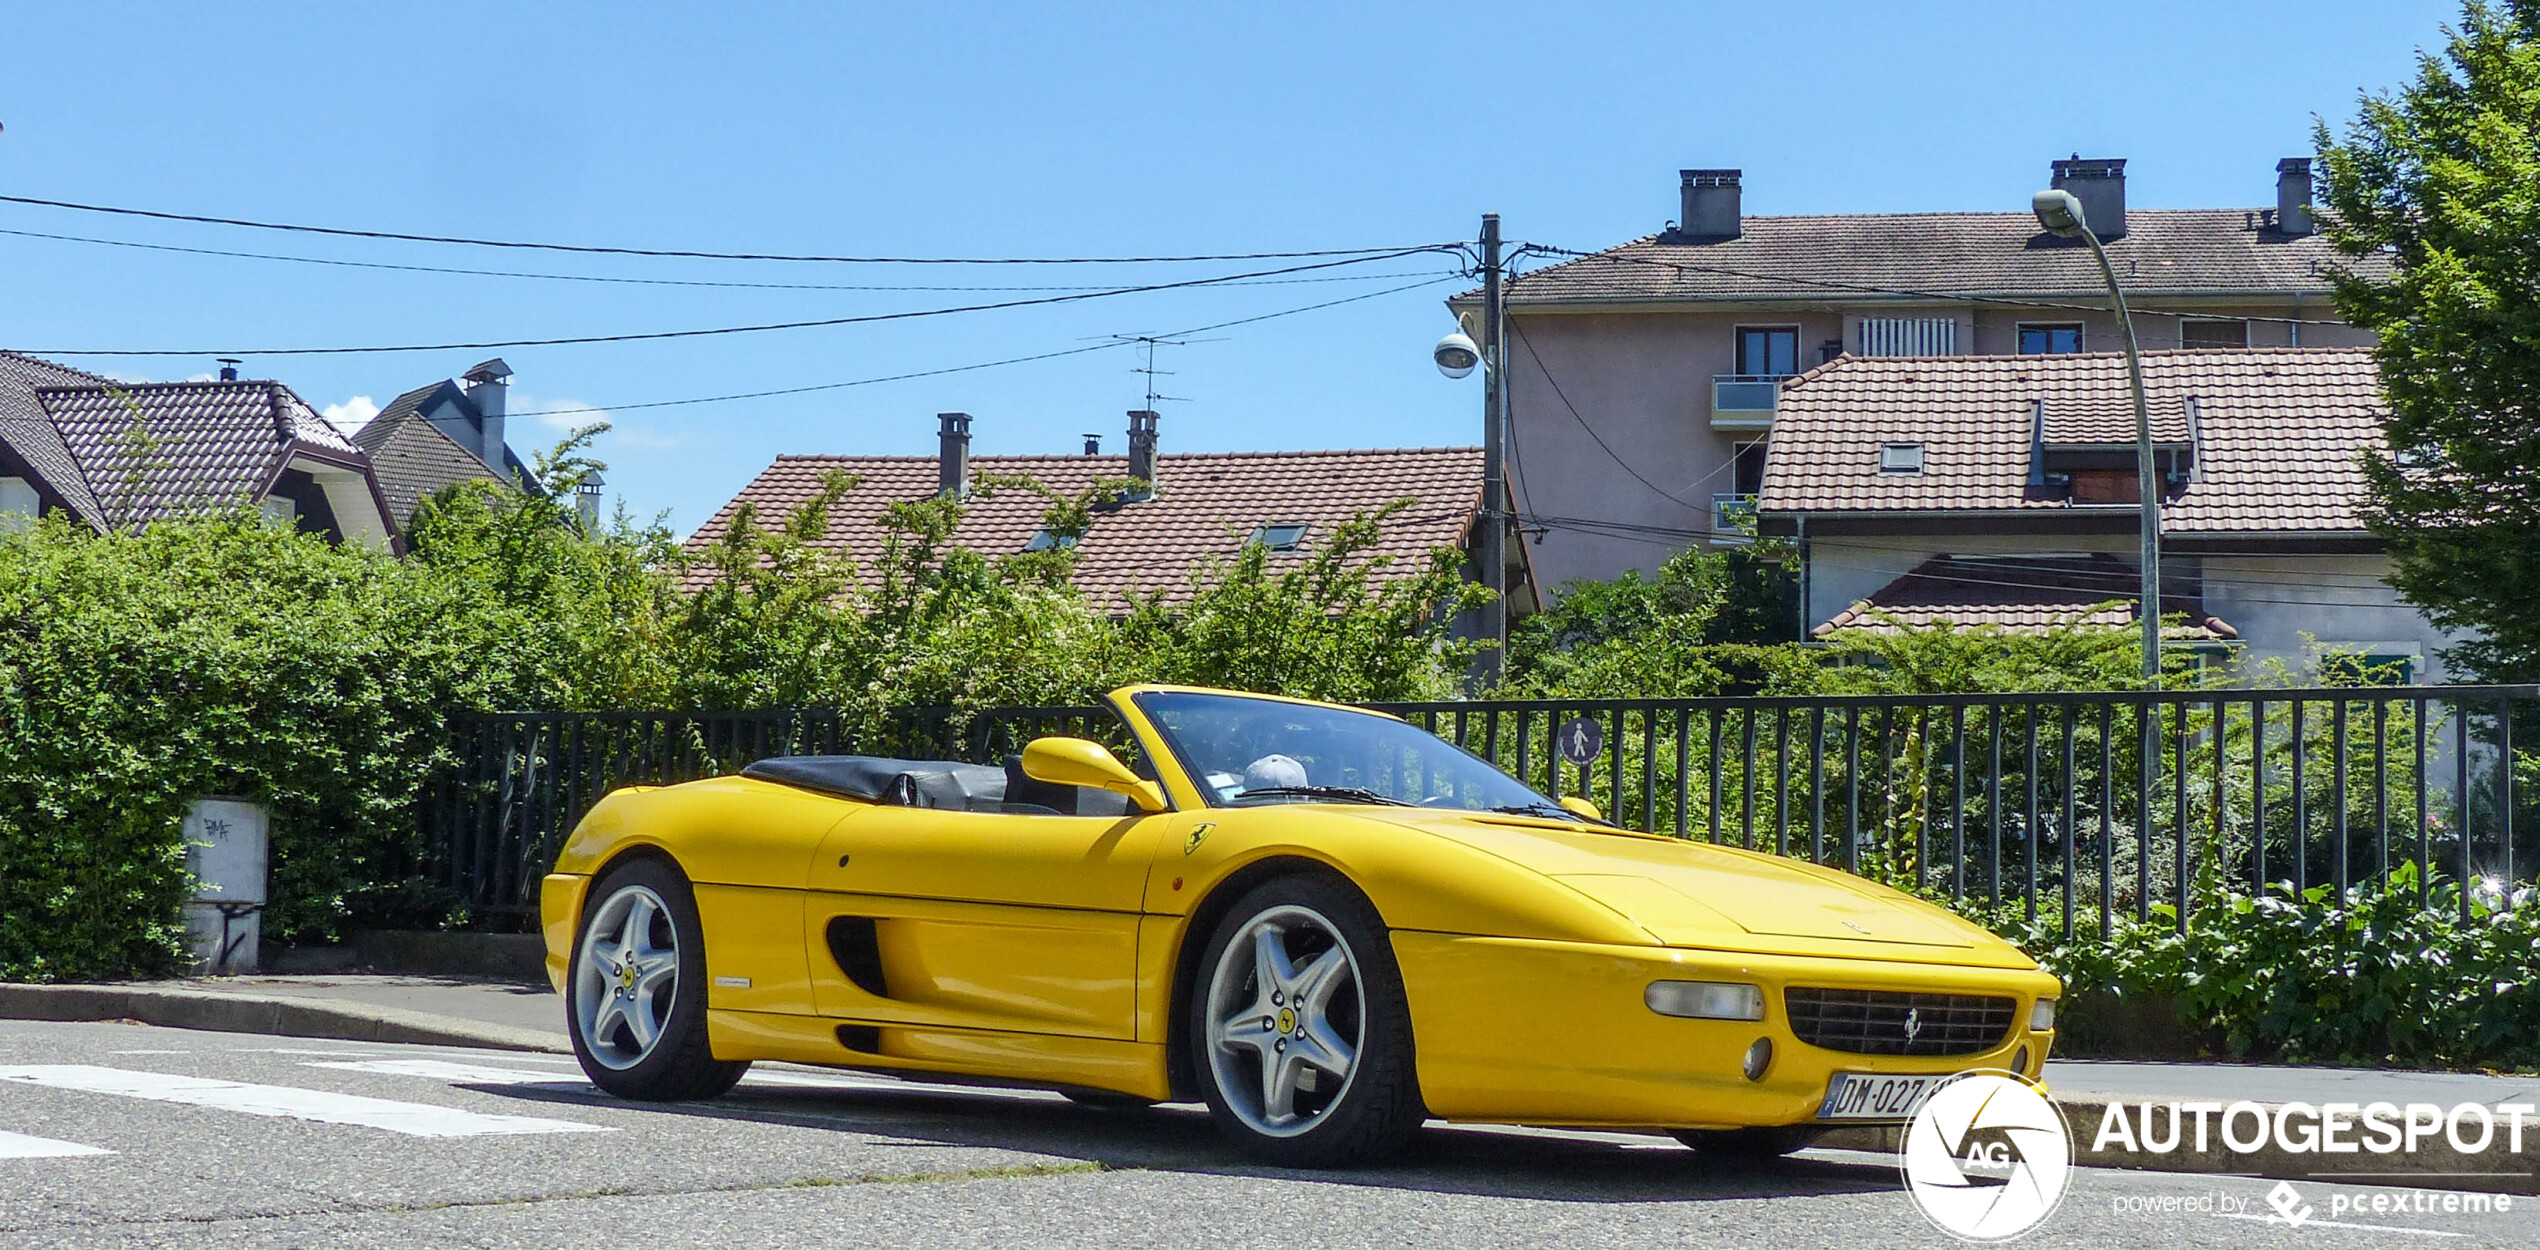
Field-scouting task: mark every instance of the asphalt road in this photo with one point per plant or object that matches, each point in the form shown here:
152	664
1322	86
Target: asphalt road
126	1135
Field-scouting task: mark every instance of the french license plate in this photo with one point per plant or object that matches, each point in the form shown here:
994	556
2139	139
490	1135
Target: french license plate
1874	1096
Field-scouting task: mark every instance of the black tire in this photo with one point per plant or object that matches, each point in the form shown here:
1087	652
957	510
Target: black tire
1748	1145
679	1065
1377	1110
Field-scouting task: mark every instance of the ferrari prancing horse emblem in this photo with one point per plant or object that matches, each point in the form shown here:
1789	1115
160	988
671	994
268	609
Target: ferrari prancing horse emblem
1199	834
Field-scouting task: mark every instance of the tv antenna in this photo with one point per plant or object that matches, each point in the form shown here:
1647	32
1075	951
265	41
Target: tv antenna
1147	344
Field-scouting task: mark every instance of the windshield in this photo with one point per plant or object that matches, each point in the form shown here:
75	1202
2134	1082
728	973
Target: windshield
1244	751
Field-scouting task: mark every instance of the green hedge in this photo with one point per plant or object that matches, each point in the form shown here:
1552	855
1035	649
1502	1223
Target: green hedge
2370	976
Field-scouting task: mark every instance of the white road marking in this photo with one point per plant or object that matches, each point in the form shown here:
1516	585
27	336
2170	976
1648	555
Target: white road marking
411	1118
461	1073
21	1146
477	1074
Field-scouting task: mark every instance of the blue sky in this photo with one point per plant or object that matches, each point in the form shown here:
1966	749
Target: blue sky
957	129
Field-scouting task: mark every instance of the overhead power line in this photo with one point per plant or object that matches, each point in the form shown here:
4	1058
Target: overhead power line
867	318
613	279
696	254
596	410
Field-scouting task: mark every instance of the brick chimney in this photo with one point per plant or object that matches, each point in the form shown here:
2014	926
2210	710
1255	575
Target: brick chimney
2293	195
1710	208
2100	186
1142	450
952	454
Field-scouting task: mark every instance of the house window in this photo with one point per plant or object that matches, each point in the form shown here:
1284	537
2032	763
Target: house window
2050	340
1280	537
2213	334
1767	351
1749	472
1901	459
279	510
1049	540
2369	668
1909	336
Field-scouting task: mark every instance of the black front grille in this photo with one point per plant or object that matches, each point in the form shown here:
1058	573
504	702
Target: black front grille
1887	1022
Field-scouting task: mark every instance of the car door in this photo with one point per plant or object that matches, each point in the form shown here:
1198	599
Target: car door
1007	921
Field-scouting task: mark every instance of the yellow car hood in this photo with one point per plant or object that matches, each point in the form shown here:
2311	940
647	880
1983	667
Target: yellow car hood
1695	894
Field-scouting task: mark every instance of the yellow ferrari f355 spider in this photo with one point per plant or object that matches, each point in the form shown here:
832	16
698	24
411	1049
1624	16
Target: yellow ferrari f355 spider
1324	922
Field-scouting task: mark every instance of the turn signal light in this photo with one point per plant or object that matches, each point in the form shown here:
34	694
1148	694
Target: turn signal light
2041	1018
1706	1000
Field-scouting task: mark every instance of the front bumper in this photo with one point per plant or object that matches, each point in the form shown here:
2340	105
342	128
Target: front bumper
1556	1033
559	910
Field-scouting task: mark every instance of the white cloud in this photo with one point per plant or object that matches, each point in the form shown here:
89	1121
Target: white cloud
567	415
352	414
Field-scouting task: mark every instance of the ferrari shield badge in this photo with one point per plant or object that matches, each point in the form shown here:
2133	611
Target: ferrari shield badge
1199	834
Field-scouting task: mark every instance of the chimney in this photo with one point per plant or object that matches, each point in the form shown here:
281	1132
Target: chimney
1142	450
1710	209
228	368
952	454
2293	195
2100	186
486	389
1093	444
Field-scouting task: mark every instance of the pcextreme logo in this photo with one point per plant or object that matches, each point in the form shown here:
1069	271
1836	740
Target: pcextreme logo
1987	1156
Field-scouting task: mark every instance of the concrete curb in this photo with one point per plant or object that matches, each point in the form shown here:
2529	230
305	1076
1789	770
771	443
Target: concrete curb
274	1015
2436	1165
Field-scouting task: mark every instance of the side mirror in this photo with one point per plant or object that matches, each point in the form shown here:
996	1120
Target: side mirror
1581	807
1082	762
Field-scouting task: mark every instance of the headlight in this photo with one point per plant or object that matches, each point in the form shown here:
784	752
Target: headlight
2041	1018
1706	1000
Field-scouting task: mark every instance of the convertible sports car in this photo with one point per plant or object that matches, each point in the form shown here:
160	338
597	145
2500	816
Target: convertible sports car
1325	922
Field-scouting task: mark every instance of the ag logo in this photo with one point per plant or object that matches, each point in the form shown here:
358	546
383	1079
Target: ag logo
1987	1156
1198	834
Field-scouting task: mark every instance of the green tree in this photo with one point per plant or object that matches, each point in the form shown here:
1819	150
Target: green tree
2442	178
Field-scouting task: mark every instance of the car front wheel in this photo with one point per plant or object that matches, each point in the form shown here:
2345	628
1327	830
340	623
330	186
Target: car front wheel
636	1000
1302	1027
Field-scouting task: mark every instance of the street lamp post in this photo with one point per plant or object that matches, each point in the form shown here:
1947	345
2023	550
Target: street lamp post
1456	355
2060	213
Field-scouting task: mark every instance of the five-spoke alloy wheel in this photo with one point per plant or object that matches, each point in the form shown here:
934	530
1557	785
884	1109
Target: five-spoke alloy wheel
636	996
1300	1027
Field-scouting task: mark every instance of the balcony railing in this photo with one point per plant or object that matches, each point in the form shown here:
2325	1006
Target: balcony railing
1732	519
1744	401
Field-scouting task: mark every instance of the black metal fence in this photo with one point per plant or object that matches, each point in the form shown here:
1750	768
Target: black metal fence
2081	807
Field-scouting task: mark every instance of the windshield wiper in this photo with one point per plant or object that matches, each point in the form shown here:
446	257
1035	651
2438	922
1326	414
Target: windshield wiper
1553	810
1352	794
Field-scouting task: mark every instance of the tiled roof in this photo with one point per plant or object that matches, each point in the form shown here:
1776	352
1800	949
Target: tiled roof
2091	419
1206	505
2022	594
30	433
2278	433
1851	256
206	442
414	459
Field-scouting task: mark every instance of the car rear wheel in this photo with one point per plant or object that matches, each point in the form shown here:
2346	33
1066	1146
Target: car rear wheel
636	1000
1748	1145
1303	1033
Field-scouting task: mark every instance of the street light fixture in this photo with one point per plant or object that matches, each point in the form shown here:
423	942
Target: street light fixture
2061	214
1457	354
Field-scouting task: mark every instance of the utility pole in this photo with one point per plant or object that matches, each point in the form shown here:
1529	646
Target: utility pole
1494	535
